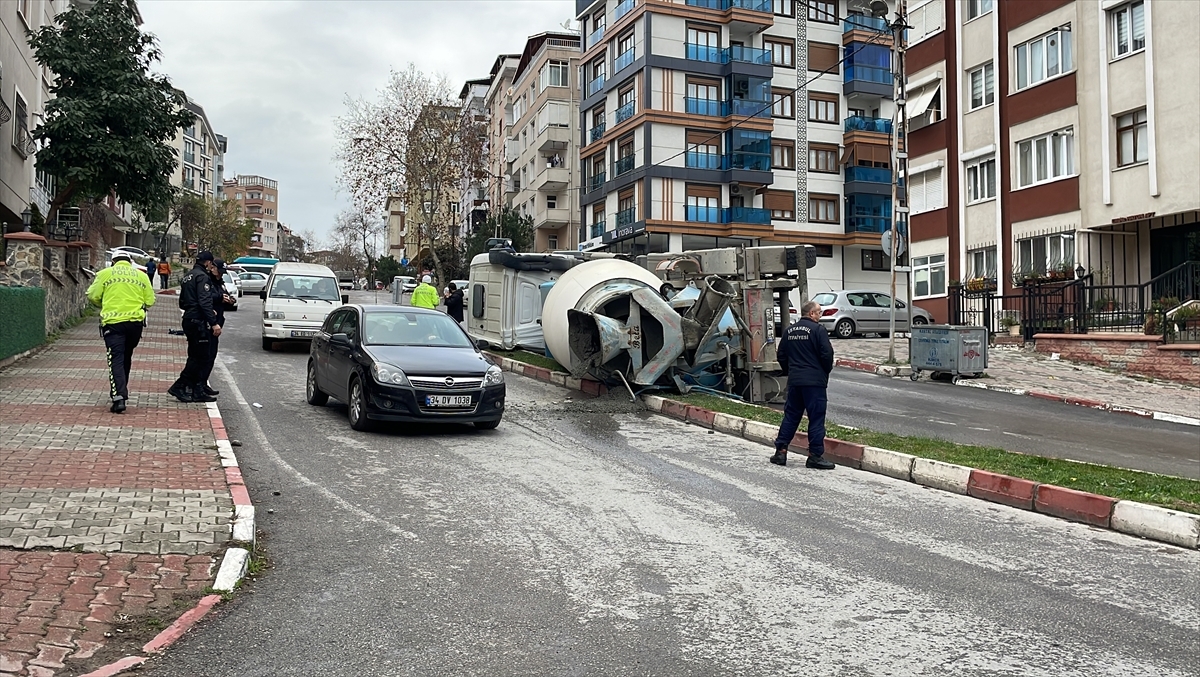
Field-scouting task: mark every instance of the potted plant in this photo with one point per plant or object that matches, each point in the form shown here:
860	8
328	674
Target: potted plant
1104	305
1187	320
1012	324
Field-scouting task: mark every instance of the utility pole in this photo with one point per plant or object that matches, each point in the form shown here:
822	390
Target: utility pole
899	158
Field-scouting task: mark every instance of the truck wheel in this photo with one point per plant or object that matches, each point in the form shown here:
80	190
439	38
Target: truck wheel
268	343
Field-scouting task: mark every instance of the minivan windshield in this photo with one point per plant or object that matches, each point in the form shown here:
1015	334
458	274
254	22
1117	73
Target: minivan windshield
395	328
306	287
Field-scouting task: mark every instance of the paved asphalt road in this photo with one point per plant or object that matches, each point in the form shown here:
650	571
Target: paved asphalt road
1012	422
573	542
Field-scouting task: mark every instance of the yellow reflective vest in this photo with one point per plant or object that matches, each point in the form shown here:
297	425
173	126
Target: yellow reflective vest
425	296
122	292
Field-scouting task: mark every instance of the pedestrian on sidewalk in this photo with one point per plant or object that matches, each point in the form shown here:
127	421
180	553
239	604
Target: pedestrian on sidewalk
199	325
219	299
806	356
151	267
454	303
123	294
164	273
425	296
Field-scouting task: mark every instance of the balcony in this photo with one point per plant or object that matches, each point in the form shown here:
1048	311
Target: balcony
698	160
190	184
867	69
553	139
869	175
623	60
858	123
626	217
596	182
623	166
623	9
870	74
597	229
723	5
23	142
749	108
728	215
596	133
694	106
551	180
868	224
550	217
749	55
625	112
859	22
189	157
752	162
595	37
704	53
595	85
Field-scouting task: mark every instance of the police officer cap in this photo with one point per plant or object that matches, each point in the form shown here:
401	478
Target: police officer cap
220	264
122	256
204	256
427	279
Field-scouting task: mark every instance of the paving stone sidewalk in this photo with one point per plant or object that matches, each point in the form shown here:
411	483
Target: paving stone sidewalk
102	516
1024	370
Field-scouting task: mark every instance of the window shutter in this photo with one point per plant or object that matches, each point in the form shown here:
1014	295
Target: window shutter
784	200
933	190
916	193
822	56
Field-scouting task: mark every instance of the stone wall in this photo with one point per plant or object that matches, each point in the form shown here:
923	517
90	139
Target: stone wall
55	267
1134	353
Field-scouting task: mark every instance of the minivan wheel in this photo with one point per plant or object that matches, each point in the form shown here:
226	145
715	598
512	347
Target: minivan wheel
312	393
268	343
358	407
844	329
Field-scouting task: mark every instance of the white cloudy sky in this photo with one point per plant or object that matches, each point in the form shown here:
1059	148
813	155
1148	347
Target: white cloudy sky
272	75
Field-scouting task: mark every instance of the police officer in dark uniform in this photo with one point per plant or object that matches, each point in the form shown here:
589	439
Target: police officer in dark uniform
806	355
200	326
219	299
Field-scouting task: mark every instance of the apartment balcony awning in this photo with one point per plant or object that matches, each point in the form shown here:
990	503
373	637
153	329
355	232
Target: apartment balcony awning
920	101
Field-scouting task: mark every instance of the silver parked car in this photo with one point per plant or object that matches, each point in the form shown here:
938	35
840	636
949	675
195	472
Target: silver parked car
252	283
862	311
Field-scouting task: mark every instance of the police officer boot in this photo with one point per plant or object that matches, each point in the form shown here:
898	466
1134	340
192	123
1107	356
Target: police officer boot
181	392
780	457
211	392
198	394
118	405
819	463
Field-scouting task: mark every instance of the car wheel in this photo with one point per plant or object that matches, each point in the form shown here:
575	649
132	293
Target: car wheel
918	321
268	343
311	392
487	425
358	407
844	329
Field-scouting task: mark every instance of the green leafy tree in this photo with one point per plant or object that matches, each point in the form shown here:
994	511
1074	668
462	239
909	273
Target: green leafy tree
387	268
213	225
507	224
109	122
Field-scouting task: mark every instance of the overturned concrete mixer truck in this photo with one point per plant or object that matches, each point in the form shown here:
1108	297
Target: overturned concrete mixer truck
698	320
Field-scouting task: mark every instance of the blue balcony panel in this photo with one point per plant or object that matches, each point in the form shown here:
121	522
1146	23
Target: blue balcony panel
859	22
868	224
749	55
700	160
763	6
704	53
858	123
597	229
597	133
595	85
869	175
703	214
623	166
623	9
625	112
622	61
694	106
750	161
750	108
626	217
598	181
596	36
749	215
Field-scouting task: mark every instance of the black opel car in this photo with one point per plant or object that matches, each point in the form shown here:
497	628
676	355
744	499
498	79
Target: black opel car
403	364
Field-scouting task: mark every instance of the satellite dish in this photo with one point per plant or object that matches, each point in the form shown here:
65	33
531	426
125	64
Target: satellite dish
879	9
885	240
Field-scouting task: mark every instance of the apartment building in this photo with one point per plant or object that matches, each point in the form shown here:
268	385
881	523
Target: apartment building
473	196
259	199
499	126
201	154
713	123
1066	140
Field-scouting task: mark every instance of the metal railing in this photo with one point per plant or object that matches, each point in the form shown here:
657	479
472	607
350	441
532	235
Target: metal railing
623	60
597	181
5	112
596	133
625	112
859	123
24	143
626	217
623	166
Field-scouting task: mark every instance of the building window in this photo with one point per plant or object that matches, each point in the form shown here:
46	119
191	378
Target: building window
823	107
703	208
981	180
1044	57
783	103
875	259
552	242
823	158
824	11
1133	144
783	154
824	57
551	202
1045	158
782	53
822	208
983	263
21	140
781	204
1040	255
925	191
977	8
1127	24
555	74
783	7
929	276
983	86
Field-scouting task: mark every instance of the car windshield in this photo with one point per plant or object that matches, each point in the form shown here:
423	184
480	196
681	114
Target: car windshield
394	328
305	287
825	299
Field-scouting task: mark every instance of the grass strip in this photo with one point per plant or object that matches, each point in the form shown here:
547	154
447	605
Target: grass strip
529	358
1176	493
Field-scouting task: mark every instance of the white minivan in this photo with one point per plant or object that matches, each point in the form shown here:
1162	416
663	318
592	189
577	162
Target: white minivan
296	300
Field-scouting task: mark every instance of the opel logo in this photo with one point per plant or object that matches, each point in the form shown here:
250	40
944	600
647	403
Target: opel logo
449	382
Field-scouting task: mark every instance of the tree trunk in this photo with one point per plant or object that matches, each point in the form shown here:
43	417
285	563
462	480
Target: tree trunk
61	199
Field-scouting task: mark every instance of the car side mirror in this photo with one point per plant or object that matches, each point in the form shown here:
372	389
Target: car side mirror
345	299
262	294
340	339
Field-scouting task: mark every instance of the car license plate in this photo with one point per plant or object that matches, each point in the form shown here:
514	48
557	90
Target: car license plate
447	400
303	334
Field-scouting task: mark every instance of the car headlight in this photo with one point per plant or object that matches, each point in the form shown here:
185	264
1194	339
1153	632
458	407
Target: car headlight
494	376
389	375
272	315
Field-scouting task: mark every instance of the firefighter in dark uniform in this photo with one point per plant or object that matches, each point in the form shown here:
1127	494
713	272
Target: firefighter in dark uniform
806	356
200	326
219	299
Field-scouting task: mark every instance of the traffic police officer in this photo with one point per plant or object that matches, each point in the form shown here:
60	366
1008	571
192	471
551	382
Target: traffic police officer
806	355
219	299
200	326
123	294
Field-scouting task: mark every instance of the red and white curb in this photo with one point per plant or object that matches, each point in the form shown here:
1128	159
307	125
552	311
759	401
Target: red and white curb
904	370
233	565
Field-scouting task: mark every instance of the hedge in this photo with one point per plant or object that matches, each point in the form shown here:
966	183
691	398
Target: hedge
22	319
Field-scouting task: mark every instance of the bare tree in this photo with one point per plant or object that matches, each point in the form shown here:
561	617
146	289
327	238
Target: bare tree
411	140
361	231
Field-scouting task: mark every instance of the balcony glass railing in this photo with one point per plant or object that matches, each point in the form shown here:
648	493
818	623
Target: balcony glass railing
758	163
749	54
597	133
858	22
868	224
748	215
625	112
858	123
752	5
703	214
595	85
704	53
873	74
694	106
750	108
869	174
623	60
623	9
597	181
598	228
695	159
596	36
623	165
626	217
189	157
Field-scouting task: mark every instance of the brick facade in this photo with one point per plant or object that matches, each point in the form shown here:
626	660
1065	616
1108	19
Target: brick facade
1142	355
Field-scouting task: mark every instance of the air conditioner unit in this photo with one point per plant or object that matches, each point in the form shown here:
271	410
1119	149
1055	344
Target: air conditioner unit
735	189
741	86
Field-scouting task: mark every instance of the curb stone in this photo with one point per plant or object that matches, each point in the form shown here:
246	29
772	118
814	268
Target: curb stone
1127	517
